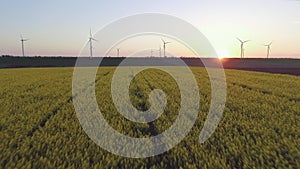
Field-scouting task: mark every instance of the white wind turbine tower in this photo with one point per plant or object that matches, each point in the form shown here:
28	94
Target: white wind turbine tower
91	39
118	52
159	50
151	51
242	47
22	43
268	49
164	43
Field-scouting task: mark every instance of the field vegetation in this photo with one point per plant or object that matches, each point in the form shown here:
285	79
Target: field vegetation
39	128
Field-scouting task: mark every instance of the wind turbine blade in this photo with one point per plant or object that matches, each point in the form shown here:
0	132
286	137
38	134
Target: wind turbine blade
246	41
239	40
163	40
21	37
90	32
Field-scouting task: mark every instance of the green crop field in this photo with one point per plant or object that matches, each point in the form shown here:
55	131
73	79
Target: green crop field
260	127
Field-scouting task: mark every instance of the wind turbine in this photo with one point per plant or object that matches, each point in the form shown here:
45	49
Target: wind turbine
118	52
164	43
159	50
91	39
268	49
22	42
242	47
151	55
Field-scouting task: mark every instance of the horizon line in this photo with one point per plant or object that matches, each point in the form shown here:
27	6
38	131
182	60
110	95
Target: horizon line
168	57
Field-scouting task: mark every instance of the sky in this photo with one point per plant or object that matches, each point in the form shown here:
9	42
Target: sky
61	27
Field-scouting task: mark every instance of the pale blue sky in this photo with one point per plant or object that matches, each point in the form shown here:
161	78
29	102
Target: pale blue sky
61	27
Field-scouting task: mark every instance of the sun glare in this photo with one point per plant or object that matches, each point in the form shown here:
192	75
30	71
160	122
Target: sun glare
222	54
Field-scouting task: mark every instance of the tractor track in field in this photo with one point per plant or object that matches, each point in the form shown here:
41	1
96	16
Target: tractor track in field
43	122
252	89
54	111
3	94
152	128
189	148
264	92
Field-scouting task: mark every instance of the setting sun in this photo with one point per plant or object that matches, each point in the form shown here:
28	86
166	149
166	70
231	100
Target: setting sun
222	54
